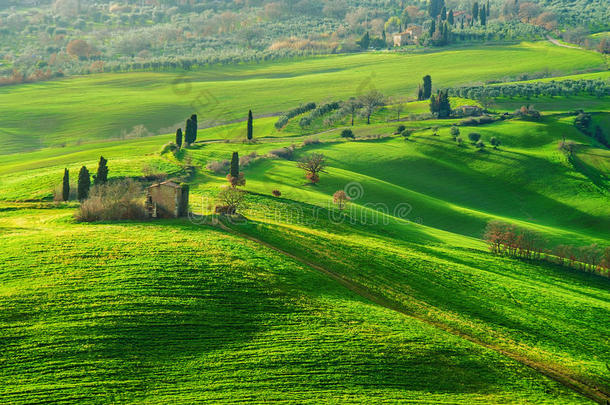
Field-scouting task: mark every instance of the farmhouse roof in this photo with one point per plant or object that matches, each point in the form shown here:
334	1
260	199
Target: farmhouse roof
168	183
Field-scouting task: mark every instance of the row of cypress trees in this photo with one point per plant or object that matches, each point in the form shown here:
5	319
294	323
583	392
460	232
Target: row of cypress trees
84	180
190	132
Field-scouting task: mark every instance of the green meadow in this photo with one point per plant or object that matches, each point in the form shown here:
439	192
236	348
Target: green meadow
74	110
396	299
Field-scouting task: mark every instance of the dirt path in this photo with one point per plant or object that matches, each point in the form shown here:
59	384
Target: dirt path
594	393
556	42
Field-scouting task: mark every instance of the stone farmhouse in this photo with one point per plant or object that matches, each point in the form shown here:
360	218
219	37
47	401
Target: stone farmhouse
409	36
167	200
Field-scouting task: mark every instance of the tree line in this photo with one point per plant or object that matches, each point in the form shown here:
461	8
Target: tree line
510	240
563	88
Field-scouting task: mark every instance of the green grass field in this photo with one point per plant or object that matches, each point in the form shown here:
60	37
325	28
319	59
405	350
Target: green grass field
396	300
53	113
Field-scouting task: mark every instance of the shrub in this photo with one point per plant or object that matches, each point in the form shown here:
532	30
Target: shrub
347	133
407	133
480	145
247	159
231	200
455	131
313	165
400	129
283	120
341	199
169	147
459	141
474	137
113	201
276	193
319	112
283	153
218	167
495	142
311	141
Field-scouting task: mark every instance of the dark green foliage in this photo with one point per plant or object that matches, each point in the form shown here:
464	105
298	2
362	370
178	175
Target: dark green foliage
427	87
565	88
435	8
250	125
439	104
347	133
475	11
407	133
432	28
351	107
480	145
474	137
190	132
599	136
102	171
234	165
84	183
483	16
443	13
455	131
495	142
364	42
179	138
583	122
283	120
65	189
318	112
400	129
450	18
420	93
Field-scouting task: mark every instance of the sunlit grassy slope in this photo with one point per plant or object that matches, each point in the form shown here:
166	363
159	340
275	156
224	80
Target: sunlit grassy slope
106	106
174	311
171	312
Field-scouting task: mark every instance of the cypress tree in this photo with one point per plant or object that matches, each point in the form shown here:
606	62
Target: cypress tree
444	13
84	183
432	28
188	132
444	106
194	126
188	137
235	165
65	190
487	8
450	17
250	127
179	138
483	15
420	93
102	171
427	90
475	11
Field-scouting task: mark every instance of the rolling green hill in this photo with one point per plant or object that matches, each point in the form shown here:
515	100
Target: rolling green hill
106	106
395	300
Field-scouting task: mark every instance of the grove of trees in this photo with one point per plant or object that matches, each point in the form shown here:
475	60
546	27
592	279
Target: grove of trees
510	240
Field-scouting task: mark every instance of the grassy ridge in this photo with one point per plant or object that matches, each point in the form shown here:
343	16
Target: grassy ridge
52	113
518	306
172	311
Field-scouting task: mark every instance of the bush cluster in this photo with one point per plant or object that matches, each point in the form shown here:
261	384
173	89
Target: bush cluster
117	200
283	120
